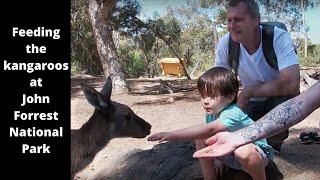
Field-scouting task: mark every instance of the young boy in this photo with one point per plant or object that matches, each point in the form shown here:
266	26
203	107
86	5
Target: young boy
219	89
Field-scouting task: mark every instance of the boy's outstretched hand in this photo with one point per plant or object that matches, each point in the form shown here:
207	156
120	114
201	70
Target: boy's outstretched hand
221	144
161	136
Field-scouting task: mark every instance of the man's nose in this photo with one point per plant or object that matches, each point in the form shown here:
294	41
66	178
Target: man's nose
231	24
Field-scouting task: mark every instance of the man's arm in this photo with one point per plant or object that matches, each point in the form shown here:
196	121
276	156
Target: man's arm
283	116
277	120
289	79
287	84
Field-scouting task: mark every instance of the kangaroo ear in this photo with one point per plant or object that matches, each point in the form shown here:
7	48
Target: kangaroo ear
94	97
107	90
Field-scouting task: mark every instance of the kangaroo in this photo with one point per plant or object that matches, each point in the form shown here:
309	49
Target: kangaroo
109	120
165	87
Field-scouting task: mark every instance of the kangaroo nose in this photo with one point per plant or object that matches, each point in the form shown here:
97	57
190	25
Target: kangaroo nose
149	126
145	124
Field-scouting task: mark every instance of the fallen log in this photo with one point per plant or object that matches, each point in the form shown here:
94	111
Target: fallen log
306	77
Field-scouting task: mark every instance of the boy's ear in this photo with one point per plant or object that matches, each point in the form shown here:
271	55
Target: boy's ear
230	98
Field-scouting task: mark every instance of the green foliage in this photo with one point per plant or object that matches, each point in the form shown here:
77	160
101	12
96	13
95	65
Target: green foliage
136	67
289	11
166	28
222	17
187	29
195	39
146	41
310	61
313	58
84	55
131	60
212	3
124	17
198	40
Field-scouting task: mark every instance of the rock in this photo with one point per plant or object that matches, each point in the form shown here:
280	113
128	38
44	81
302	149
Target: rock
171	160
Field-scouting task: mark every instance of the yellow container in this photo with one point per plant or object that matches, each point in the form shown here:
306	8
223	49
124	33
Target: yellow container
172	66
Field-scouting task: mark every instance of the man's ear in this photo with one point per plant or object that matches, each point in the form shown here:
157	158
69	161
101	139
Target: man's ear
258	20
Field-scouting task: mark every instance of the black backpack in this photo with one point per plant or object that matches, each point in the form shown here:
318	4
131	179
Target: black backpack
267	46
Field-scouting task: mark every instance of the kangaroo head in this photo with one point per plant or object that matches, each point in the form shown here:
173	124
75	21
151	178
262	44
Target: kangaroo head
118	119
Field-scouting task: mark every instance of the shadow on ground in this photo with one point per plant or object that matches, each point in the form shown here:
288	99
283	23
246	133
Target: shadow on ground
93	81
296	160
183	89
152	86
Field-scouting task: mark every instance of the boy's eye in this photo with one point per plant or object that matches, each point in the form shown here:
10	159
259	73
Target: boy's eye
211	98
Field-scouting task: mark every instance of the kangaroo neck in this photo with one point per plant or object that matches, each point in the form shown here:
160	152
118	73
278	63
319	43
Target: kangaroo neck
86	143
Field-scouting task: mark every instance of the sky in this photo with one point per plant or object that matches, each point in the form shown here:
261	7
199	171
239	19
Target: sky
312	15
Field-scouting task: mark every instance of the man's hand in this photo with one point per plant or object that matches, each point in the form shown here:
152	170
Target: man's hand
244	97
161	136
221	144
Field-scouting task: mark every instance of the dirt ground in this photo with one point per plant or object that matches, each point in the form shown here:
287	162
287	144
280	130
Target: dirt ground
178	110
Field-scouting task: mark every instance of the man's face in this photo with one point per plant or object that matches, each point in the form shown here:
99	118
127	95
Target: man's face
241	24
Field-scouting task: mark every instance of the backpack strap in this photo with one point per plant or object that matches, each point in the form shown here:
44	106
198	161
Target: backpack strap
267	46
233	55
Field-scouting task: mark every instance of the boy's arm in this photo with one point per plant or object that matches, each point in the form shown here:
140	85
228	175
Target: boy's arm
202	131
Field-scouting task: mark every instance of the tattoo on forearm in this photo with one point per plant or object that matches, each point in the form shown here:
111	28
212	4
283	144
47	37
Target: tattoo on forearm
248	133
277	120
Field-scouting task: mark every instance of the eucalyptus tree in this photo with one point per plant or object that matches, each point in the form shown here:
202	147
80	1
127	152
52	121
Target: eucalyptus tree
145	41
294	12
167	28
105	17
84	55
291	12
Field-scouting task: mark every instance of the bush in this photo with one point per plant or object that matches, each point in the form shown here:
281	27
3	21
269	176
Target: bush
313	58
132	61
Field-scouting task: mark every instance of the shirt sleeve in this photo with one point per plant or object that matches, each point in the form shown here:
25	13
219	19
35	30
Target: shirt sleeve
284	49
231	119
221	58
210	118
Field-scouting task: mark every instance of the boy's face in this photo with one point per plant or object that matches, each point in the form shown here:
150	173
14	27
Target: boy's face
214	105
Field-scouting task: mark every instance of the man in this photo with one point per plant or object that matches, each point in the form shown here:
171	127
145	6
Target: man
293	111
263	86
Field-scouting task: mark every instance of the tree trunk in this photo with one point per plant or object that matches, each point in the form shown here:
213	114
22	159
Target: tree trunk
215	36
146	65
304	30
99	15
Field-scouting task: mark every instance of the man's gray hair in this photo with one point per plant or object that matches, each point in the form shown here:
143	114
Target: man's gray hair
252	5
